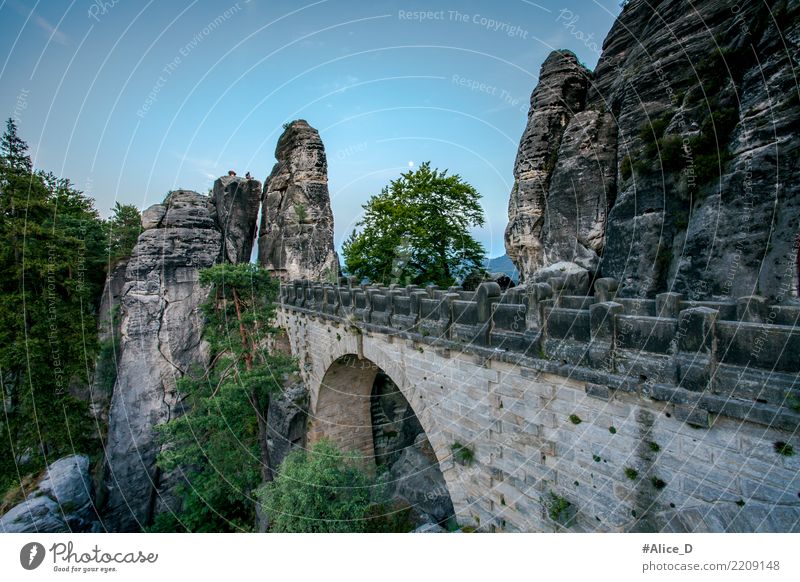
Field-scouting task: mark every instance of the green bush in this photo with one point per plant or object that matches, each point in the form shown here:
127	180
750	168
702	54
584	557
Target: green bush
324	490
631	473
462	454
559	509
670	150
626	167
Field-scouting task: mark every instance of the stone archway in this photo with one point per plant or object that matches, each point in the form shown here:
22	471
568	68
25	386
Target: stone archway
358	406
341	412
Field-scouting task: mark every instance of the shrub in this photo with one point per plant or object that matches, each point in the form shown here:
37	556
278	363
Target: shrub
626	167
324	490
670	149
559	509
784	449
631	473
462	454
575	419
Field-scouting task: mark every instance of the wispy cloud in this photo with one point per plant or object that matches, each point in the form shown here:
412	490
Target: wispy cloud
55	34
52	32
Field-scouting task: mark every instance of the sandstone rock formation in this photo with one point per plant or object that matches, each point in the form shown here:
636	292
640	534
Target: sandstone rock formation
416	477
287	421
63	501
296	236
673	165
561	93
108	333
235	206
161	329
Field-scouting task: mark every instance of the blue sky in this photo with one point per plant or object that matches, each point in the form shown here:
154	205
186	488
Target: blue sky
132	99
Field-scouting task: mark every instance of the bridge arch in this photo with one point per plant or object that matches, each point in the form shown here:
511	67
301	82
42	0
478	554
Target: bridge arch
340	401
345	394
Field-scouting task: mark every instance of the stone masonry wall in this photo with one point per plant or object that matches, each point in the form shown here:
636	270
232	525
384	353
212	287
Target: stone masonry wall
625	421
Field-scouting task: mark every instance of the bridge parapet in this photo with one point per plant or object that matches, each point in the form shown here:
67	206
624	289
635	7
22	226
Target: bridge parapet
737	358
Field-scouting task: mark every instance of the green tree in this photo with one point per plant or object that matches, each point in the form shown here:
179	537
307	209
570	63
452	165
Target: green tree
324	490
14	151
123	228
220	442
417	231
51	275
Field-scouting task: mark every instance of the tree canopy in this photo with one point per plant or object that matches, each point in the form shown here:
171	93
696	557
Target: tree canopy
417	230
52	270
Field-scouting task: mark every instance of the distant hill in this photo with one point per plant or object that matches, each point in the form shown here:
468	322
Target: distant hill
503	264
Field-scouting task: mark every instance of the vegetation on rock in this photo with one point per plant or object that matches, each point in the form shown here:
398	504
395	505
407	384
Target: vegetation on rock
219	445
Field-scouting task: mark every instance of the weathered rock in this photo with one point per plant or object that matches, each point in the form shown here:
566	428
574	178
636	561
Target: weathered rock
581	189
160	342
286	422
296	236
416	476
108	333
560	94
235	208
430	528
702	205
63	501
153	215
394	424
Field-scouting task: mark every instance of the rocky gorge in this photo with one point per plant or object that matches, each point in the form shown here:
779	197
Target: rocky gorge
671	168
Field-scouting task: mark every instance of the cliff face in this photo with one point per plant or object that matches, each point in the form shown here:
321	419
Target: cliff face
160	334
296	236
677	170
560	94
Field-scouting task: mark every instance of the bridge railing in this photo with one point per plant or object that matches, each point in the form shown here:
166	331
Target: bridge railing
737	358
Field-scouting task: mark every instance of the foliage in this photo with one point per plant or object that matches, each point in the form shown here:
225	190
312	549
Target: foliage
710	146
123	230
575	419
323	490
52	259
301	211
559	509
417	231
462	454
670	152
784	449
631	473
219	443
658	482
625	167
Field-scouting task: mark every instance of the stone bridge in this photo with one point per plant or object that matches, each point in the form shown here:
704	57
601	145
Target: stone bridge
584	412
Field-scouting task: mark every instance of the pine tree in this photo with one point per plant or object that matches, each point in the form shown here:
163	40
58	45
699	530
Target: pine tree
51	275
124	229
220	443
13	150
